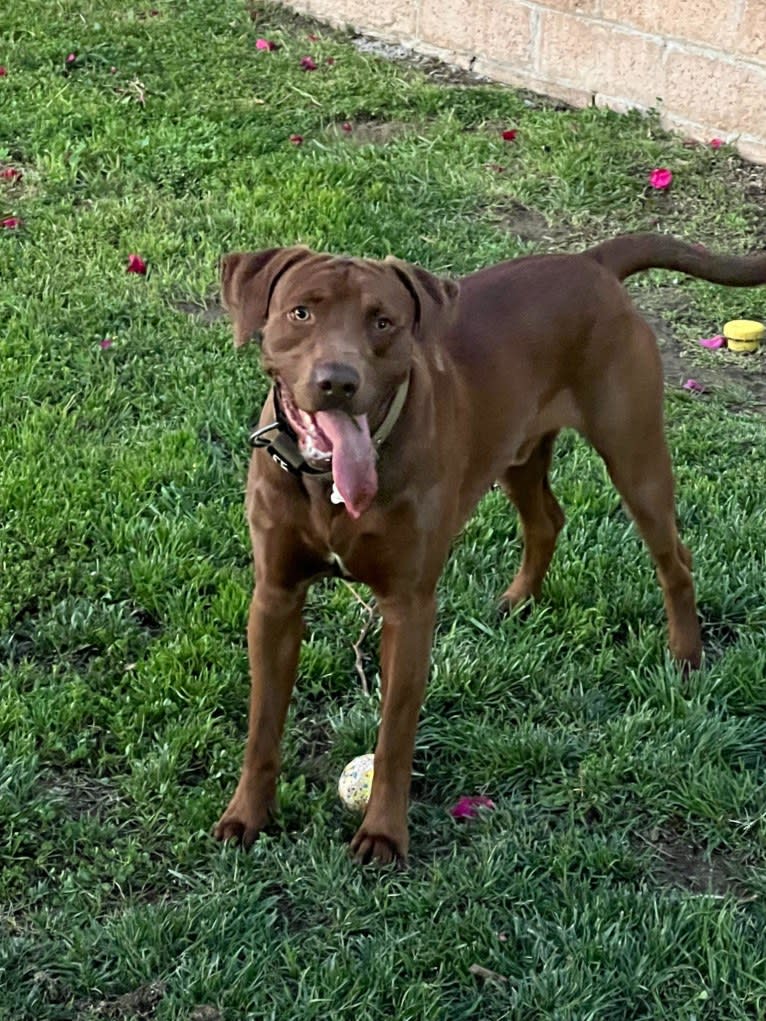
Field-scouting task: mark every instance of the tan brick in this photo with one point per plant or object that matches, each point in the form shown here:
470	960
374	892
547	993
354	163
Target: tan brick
751	34
500	29
394	17
573	6
450	24
731	96
694	20
504	31
331	11
582	54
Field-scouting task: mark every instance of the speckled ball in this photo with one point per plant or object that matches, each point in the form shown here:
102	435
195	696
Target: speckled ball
355	782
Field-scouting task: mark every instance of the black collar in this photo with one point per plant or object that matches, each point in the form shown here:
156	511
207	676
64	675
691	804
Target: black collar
281	442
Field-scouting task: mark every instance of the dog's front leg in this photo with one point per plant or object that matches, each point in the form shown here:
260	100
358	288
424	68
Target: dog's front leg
274	633
408	624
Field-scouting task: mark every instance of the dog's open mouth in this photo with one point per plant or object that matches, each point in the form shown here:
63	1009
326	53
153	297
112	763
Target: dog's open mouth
336	439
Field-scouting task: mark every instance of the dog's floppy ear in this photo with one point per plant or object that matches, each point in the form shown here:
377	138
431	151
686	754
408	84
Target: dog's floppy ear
435	298
247	283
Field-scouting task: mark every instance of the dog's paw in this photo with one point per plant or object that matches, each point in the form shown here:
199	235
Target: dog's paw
230	830
240	824
519	605
378	849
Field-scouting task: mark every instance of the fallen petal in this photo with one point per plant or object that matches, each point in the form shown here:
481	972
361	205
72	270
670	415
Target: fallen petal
296	139
11	174
71	58
308	64
716	143
265	44
509	135
469	805
135	264
661	178
694	386
345	126
3	72
106	343
11	222
713	342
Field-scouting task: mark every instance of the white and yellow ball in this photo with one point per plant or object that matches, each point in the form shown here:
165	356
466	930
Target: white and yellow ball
355	782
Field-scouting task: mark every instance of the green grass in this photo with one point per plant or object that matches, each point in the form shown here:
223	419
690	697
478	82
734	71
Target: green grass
622	874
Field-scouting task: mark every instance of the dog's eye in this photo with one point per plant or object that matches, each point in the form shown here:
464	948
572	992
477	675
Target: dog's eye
301	313
382	323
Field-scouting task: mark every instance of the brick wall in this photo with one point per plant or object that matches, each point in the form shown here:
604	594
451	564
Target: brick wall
702	63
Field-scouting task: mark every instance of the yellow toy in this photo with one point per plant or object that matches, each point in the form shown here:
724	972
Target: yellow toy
743	335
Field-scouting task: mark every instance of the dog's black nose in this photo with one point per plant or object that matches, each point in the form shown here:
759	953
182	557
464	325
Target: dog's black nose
336	382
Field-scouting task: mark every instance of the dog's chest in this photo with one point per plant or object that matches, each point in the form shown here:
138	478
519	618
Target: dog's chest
362	550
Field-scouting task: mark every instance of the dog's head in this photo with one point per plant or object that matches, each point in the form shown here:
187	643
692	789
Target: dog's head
337	337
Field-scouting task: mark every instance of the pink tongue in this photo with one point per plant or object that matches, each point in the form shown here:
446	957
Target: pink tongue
353	458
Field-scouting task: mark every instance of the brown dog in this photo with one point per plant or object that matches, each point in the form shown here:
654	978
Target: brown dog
398	399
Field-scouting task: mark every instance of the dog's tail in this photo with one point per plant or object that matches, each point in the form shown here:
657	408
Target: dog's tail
631	253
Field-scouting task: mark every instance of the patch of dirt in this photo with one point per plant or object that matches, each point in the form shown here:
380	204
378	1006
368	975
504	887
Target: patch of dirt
139	1005
678	863
206	1013
752	180
209	311
80	795
529	224
372	132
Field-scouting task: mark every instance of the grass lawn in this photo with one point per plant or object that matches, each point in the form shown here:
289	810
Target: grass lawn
622	874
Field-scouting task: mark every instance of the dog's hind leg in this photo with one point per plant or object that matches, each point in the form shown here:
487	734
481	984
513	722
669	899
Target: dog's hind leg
527	486
627	430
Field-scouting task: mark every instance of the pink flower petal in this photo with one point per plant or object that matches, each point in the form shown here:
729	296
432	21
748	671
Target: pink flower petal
265	44
661	178
694	386
71	58
308	64
135	264
346	126
11	222
713	342
3	72
296	139
469	805
716	143
11	174
509	135
106	343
